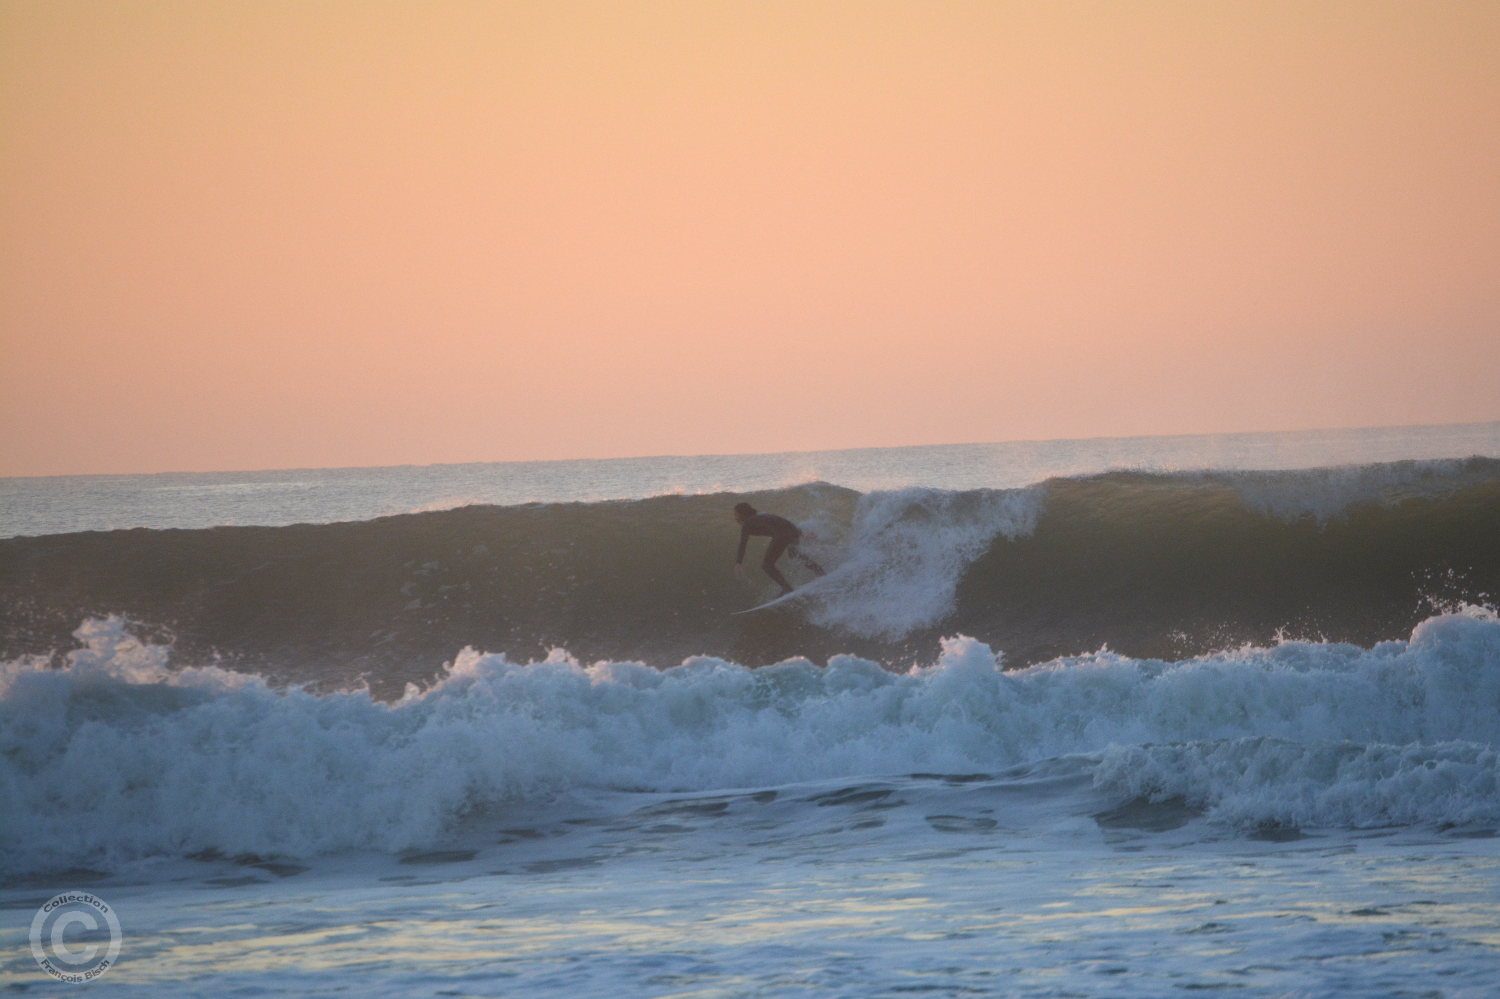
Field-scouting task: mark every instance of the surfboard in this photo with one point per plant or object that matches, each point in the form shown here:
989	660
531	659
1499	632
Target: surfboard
769	603
801	591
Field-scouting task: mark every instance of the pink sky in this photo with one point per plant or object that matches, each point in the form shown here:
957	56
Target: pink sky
253	235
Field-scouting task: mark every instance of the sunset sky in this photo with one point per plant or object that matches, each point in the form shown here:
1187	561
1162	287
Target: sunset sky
274	234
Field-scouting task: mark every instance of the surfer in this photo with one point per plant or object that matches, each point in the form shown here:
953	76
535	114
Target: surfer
784	537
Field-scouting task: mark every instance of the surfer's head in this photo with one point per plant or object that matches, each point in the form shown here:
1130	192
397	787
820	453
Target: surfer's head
743	512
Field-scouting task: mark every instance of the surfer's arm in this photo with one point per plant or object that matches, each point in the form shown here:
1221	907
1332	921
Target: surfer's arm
739	556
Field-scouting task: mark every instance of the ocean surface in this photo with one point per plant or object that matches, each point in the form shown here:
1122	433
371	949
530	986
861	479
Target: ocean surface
1135	717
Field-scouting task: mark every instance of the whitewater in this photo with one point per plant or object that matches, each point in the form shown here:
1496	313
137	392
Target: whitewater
1142	718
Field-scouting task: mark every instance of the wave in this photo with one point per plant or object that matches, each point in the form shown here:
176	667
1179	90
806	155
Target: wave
1154	565
118	758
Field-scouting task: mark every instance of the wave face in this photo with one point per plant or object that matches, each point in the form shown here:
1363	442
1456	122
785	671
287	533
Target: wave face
1153	565
117	758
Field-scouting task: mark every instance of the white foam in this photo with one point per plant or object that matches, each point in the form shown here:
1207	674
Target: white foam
908	551
116	757
1257	782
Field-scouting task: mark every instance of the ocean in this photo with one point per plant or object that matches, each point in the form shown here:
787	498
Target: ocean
1115	717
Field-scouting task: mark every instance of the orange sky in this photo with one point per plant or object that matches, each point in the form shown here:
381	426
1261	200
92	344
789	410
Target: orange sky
270	234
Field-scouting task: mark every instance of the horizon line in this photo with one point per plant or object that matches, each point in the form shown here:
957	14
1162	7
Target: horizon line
746	454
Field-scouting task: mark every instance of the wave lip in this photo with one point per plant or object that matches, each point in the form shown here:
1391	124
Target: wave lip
1329	493
118	758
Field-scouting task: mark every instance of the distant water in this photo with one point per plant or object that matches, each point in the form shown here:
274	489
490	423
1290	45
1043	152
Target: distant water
1129	718
56	505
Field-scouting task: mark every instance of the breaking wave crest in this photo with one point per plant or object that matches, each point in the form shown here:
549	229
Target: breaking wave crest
118	757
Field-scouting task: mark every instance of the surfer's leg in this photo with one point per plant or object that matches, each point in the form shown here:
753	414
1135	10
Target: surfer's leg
773	552
797	554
